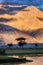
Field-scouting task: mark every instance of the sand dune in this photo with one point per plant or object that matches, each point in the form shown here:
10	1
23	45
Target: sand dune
9	34
38	34
28	19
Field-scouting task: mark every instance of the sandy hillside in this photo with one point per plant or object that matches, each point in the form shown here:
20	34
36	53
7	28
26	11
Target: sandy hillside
28	19
9	34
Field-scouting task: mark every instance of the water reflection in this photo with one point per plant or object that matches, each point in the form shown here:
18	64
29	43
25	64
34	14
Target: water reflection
36	61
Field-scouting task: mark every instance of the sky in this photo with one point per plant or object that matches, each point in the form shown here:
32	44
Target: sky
37	3
0	0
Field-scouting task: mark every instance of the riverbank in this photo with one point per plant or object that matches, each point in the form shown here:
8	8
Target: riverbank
20	54
22	51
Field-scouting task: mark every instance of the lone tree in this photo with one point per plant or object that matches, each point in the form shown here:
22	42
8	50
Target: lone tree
36	45
10	44
21	42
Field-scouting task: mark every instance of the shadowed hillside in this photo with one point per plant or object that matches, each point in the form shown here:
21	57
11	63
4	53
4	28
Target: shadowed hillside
9	34
6	28
10	8
38	34
6	19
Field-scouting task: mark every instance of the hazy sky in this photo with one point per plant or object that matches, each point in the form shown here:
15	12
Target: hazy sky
37	3
0	0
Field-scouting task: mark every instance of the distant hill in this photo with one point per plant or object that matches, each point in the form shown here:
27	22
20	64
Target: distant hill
27	19
9	34
26	23
6	28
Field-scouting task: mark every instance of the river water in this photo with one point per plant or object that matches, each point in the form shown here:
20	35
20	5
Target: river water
36	61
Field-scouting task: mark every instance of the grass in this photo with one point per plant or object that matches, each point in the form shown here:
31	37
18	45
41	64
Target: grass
23	51
19	52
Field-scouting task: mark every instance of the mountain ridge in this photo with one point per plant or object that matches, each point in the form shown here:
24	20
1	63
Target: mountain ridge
25	20
24	16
